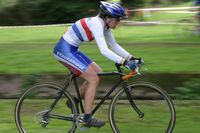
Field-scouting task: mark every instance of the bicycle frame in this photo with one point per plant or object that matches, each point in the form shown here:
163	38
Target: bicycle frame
73	115
73	78
105	97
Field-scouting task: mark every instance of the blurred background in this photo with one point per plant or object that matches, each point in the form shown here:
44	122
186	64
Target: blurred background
165	33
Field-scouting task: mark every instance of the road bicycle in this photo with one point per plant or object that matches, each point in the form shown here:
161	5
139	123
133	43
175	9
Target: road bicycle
135	107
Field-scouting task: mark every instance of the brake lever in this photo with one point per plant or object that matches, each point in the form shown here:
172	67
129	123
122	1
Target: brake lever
137	70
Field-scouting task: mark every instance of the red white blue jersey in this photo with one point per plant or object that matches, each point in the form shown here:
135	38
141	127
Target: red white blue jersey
82	30
79	32
88	29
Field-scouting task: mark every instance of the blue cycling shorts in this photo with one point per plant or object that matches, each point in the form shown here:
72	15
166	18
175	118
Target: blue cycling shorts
70	56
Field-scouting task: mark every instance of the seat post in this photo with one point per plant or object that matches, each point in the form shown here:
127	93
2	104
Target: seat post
68	80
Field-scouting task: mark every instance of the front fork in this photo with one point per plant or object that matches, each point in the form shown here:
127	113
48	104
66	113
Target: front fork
130	99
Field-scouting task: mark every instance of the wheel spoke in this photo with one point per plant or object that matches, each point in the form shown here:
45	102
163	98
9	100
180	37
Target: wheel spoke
159	113
33	113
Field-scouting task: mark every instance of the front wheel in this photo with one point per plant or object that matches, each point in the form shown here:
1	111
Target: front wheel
40	109
159	112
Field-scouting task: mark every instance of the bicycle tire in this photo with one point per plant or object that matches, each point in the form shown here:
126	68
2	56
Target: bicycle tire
147	97
32	104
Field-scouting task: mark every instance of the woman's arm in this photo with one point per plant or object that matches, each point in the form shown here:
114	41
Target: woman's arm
98	33
116	47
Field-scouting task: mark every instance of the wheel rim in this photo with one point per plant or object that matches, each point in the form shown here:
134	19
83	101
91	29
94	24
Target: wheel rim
30	109
158	117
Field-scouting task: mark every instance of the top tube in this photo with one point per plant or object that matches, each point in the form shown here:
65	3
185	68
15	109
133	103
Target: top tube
119	72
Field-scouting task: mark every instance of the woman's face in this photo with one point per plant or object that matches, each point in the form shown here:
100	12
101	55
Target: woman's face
112	22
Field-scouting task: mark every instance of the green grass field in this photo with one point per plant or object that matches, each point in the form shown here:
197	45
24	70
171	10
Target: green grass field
169	16
29	50
187	118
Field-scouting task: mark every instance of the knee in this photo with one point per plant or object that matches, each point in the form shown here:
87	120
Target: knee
94	80
97	80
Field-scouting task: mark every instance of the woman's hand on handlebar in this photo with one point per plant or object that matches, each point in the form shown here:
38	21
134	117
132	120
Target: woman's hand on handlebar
133	64
139	59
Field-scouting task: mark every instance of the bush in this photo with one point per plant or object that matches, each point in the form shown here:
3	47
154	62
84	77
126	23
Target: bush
29	80
27	12
189	90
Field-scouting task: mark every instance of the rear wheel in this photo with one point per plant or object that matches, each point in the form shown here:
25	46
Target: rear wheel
158	109
34	112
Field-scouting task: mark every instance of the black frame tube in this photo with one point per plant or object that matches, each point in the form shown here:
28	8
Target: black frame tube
106	96
71	77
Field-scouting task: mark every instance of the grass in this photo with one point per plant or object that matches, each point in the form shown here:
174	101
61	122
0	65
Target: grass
167	16
29	50
187	118
123	34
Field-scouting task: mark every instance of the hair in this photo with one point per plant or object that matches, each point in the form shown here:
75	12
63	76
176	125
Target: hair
103	15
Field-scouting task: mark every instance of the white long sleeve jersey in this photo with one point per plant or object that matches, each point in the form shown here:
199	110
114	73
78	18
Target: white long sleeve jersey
88	29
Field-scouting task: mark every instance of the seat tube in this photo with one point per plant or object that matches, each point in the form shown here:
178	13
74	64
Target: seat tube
78	94
60	93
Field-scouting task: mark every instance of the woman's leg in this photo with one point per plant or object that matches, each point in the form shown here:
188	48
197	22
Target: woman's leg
81	64
89	89
97	69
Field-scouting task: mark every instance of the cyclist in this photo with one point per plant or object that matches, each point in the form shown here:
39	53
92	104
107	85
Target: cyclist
87	29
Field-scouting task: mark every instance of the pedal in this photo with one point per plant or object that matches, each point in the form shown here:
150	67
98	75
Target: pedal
44	123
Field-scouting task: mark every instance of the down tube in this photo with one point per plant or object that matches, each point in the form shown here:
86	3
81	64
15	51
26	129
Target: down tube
106	96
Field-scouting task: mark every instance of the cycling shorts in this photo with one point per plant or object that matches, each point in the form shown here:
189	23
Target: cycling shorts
70	56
